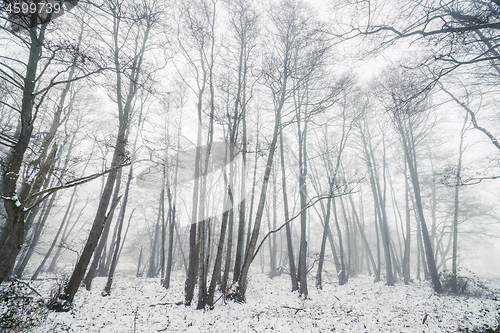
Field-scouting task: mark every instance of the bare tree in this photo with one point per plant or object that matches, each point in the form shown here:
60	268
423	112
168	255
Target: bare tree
378	195
332	166
140	19
31	78
298	50
405	106
244	25
457	39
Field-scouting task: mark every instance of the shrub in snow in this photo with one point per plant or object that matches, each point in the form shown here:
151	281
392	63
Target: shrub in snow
21	307
468	284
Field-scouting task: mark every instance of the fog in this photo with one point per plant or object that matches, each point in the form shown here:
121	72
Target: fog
205	144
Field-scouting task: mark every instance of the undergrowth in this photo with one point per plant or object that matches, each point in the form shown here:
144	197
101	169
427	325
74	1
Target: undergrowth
468	284
21	307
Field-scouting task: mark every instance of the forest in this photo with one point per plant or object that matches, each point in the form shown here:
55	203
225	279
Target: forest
208	160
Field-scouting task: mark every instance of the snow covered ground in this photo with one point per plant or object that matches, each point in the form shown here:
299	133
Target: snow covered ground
143	305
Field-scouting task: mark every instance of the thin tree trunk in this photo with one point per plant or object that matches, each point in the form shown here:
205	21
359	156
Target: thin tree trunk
193	247
218	256
138	273
326	230
153	253
252	197
348	238
379	201
342	275
272	258
242	283
303	203
102	242
456	203
406	259
291	260
114	262
412	167
365	241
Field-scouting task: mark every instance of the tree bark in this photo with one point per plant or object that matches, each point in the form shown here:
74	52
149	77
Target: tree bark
409	150
98	253
14	233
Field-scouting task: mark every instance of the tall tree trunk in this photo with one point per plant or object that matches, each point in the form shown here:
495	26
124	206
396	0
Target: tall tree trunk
172	211
456	202
242	283
406	258
229	248
379	202
11	165
302	134
193	247
119	154
202	239
245	23
409	150
44	146
291	260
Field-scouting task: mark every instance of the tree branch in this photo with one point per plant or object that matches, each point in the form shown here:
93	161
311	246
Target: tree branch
47	192
472	116
311	203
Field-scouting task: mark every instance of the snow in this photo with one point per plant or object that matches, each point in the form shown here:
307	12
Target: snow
12	198
143	305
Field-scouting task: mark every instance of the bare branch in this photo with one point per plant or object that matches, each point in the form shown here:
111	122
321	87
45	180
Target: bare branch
47	192
492	138
309	205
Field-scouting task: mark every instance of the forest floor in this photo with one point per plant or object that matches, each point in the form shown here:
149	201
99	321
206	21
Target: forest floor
143	305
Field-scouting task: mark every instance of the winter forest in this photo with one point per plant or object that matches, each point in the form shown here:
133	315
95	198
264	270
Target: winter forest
249	166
